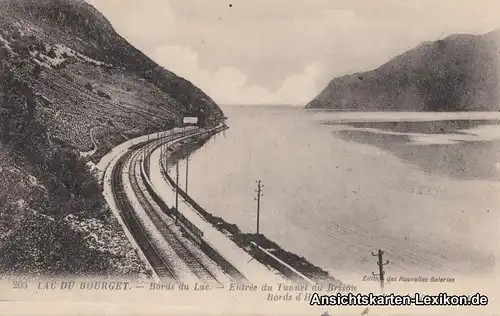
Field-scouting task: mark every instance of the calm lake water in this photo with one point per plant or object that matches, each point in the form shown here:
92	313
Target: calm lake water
421	186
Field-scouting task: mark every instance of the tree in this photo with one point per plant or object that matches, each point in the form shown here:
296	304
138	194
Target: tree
37	70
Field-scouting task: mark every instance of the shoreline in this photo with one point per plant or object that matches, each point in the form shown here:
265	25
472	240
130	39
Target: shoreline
243	240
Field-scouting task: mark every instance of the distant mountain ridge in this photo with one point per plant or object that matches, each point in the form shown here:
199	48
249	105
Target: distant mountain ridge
458	73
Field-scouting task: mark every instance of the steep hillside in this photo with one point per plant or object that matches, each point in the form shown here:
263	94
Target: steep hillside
70	88
458	73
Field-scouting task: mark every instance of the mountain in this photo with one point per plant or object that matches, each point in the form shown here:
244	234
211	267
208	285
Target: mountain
71	88
458	73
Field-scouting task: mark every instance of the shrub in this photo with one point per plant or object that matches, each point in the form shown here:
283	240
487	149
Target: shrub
22	48
52	53
68	77
103	94
107	69
49	246
37	70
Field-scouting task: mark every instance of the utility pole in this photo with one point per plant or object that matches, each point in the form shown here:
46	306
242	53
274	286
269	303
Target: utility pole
164	147
161	144
143	150
177	193
187	173
381	264
164	144
259	195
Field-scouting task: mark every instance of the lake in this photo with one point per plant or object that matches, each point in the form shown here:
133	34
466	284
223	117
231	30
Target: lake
338	185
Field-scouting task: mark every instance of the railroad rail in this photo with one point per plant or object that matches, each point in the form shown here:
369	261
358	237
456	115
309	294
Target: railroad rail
161	266
126	211
191	229
193	263
195	233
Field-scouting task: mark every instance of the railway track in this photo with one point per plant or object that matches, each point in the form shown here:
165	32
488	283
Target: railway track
194	264
157	263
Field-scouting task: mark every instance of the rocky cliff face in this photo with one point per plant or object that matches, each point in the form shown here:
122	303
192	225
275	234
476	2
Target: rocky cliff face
70	84
458	73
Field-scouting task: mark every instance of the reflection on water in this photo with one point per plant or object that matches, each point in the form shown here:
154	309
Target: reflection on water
455	148
336	198
424	127
462	159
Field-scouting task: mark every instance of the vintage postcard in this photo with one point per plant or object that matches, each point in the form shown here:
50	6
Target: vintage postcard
249	157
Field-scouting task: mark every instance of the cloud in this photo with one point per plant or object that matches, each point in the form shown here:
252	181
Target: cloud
228	85
147	25
285	51
300	88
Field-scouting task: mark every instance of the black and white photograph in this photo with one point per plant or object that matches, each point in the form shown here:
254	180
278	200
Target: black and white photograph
249	157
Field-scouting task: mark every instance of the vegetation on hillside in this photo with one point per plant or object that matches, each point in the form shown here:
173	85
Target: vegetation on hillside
69	85
458	73
44	241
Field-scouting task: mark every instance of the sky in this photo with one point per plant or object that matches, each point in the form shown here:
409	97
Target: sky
285	51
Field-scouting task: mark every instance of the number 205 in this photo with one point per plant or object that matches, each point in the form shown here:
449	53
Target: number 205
20	284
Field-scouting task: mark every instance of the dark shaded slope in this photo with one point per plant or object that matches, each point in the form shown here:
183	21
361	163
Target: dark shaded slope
68	83
458	73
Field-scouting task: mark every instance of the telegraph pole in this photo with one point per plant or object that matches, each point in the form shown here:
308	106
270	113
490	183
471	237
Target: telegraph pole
381	264
187	173
143	150
259	195
165	148
161	144
177	193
